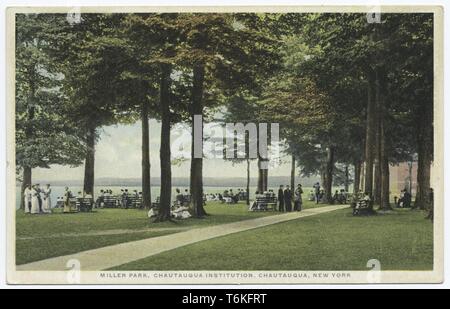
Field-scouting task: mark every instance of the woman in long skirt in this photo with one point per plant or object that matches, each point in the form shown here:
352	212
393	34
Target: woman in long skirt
34	200
67	196
27	199
47	203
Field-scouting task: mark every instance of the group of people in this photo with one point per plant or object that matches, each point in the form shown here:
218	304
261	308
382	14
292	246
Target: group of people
182	199
340	197
405	199
37	200
317	195
285	198
230	196
125	197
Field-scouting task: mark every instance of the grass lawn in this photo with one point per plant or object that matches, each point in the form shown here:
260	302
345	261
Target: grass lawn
30	250
48	239
401	240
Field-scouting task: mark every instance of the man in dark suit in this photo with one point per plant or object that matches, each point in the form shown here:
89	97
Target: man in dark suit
288	199
39	197
280	199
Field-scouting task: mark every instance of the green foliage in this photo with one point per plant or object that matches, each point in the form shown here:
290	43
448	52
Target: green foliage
309	72
44	136
320	92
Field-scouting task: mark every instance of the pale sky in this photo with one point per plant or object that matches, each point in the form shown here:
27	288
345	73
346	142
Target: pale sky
118	155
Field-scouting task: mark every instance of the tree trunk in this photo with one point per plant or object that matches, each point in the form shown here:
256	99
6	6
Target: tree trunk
377	146
197	163
363	176
293	173
145	165
266	177
328	175
425	155
260	179
26	181
382	145
89	164
385	194
423	177
370	136
357	166
248	182
377	181
410	164
346	180
164	152
262	175
260	188
28	136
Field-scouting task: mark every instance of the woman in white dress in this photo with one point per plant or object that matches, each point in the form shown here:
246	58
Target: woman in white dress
27	199
47	202
34	200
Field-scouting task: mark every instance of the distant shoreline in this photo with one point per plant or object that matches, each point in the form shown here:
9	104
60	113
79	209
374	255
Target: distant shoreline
181	181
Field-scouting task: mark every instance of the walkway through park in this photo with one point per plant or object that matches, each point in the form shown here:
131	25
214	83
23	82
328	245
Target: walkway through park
110	256
107	232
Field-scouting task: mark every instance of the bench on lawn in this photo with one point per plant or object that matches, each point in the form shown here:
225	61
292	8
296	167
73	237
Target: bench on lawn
362	207
110	201
59	203
264	203
84	204
135	201
72	207
79	204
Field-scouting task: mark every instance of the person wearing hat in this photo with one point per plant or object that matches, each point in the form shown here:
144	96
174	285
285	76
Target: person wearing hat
288	199
47	202
298	198
281	199
34	200
317	192
27	199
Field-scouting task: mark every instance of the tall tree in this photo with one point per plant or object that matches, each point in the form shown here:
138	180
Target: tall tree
223	54
89	59
43	135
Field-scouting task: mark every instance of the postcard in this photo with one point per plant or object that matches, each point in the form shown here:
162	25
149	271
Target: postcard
225	145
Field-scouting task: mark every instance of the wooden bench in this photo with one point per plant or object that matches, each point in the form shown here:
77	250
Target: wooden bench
59	204
73	205
264	203
110	201
135	201
362	207
85	204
